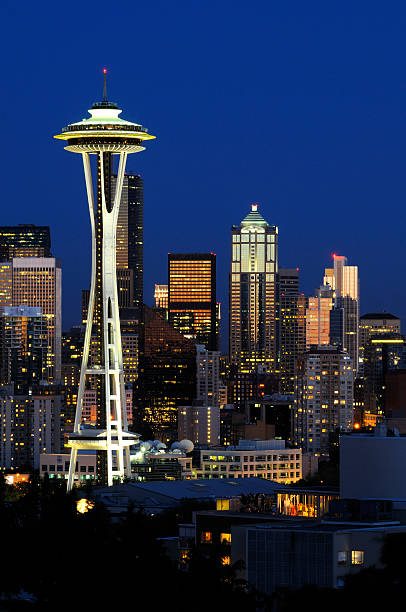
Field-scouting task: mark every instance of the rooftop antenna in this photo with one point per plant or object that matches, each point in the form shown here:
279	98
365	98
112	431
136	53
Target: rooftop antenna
105	85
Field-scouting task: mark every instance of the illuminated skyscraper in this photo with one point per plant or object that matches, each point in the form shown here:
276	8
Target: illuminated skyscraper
167	375
23	347
192	296
37	282
24	241
318	316
104	134
130	234
254	266
323	397
375	323
344	281
161	296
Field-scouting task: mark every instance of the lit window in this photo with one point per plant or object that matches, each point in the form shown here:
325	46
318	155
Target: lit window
225	560
223	504
225	538
357	557
206	537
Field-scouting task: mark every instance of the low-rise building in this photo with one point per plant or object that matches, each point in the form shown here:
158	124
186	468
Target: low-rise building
57	466
268	459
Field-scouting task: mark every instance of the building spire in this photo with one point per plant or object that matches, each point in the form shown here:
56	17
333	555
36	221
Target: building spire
105	85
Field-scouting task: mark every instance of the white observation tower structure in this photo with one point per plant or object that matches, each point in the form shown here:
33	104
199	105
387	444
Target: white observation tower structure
104	134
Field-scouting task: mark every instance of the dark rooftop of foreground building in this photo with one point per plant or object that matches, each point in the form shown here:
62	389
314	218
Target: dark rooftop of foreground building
378	315
157	496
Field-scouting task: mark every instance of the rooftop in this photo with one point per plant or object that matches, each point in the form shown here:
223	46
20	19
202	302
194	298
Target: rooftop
254	217
379	315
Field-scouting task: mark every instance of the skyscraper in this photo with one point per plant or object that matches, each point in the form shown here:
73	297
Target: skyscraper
254	266
344	281
324	397
104	134
37	282
23	347
192	296
29	425
292	330
318	316
130	233
161	296
375	323
24	241
207	376
167	375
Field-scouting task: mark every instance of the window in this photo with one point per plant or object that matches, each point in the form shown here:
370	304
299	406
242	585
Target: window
90	468
225	560
342	557
59	468
357	557
223	504
83	468
225	538
52	468
44	468
206	537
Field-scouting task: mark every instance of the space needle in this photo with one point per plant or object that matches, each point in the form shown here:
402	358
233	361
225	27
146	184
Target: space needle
104	134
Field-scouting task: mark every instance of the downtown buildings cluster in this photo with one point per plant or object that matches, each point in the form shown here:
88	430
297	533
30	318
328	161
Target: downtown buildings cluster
300	368
132	379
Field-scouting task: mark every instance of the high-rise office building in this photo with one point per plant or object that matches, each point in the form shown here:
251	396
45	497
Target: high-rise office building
192	296
130	233
6	283
130	330
36	282
199	423
161	296
323	397
344	281
29	425
318	316
254	266
292	329
375	323
167	376
383	353
208	376
23	347
24	241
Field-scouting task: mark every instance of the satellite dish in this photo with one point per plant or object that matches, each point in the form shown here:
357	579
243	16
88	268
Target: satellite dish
186	445
158	444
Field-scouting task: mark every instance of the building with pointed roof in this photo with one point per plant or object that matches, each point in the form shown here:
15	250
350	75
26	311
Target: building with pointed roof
254	266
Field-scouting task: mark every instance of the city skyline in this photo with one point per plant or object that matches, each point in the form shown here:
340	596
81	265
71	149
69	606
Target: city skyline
323	155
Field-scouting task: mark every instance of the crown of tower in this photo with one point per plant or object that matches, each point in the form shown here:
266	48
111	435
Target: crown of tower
254	217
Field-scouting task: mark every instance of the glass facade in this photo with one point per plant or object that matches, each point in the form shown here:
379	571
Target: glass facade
192	296
24	241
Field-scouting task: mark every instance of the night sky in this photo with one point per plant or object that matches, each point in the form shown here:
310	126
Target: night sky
299	106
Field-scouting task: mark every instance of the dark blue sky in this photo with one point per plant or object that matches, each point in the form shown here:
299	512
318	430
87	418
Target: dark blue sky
299	106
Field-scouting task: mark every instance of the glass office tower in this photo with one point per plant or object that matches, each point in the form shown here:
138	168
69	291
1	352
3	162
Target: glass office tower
254	266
